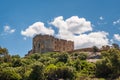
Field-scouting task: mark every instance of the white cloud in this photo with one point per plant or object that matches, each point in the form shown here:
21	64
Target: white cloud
75	28
7	29
73	24
117	37
116	22
101	18
37	28
92	39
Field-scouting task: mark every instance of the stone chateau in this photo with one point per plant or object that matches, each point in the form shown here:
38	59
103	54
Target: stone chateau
47	43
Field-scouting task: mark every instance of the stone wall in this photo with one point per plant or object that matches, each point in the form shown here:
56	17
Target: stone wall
46	43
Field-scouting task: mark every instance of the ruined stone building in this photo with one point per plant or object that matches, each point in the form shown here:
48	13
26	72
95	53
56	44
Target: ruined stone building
47	43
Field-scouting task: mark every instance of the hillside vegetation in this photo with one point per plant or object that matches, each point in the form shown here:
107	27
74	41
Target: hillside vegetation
55	66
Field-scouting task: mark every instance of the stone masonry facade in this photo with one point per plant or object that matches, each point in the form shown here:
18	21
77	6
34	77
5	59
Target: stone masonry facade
47	43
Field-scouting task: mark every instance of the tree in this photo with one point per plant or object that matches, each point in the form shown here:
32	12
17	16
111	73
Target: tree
9	73
77	65
109	66
116	46
37	72
103	68
3	51
4	56
53	72
35	56
82	56
66	73
87	68
63	57
16	62
95	49
15	56
50	72
24	71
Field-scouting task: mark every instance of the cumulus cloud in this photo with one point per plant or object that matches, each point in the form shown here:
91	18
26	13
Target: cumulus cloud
116	22
74	24
37	28
75	28
7	29
92	39
117	37
101	18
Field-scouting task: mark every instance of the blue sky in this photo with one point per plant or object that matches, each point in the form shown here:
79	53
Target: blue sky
86	22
